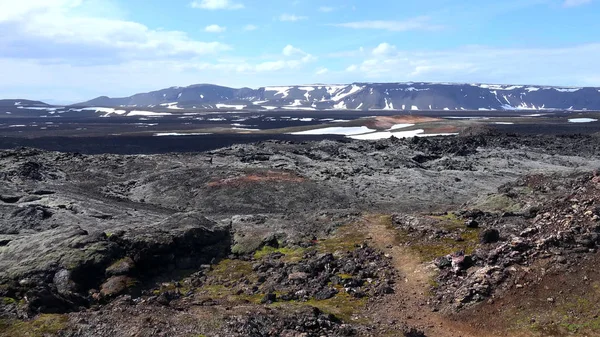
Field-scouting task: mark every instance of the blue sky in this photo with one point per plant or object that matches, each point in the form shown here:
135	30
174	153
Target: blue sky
73	50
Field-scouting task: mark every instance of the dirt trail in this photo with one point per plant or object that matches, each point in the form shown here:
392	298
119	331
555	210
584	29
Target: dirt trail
408	305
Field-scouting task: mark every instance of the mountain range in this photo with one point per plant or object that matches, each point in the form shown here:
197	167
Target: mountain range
364	96
356	96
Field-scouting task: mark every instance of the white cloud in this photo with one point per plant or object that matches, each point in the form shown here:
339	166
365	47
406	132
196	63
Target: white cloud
418	23
249	28
58	30
291	18
577	65
322	71
290	50
575	3
326	9
384	49
214	29
216	4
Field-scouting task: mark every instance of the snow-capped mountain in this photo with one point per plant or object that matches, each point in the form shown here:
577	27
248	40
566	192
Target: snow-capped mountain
364	96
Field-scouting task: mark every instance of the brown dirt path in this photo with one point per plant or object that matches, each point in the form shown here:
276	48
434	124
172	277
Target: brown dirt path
409	304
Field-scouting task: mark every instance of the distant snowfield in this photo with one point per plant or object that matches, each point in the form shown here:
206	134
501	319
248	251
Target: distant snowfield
342	130
163	134
107	111
230	106
295	108
400	134
387	134
245	129
466	117
582	120
147	113
504	123
36	108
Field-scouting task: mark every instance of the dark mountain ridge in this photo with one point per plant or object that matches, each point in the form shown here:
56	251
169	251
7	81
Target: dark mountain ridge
365	96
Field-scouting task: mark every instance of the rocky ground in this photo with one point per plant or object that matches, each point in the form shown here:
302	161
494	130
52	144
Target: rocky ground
418	237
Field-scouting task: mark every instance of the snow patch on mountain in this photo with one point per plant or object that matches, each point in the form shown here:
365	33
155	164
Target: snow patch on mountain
389	105
230	106
283	91
298	108
340	106
341	95
147	113
365	96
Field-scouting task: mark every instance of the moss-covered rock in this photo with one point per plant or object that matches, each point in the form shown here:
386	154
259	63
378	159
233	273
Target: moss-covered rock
41	326
121	267
117	285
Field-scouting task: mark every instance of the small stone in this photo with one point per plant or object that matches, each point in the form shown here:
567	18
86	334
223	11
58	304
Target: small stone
490	235
472	223
269	298
325	294
297	276
443	262
550	299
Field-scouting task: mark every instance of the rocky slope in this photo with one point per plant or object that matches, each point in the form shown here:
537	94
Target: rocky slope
364	96
283	238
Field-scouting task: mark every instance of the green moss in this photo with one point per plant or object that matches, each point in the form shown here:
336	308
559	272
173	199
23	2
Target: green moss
450	221
342	306
232	270
345	239
43	325
429	249
225	293
246	244
345	276
229	272
498	203
577	316
386	220
291	254
8	300
183	288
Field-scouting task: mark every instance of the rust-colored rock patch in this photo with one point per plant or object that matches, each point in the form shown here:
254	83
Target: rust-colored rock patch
257	177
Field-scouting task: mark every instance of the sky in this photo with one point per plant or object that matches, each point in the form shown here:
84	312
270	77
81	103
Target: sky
74	50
